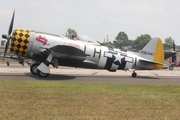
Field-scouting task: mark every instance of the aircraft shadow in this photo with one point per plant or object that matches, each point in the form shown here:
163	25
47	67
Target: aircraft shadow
147	77
63	77
51	77
121	76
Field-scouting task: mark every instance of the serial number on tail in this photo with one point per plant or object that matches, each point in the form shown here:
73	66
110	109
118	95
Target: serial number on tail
147	53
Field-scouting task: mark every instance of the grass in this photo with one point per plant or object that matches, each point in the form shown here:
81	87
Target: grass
87	101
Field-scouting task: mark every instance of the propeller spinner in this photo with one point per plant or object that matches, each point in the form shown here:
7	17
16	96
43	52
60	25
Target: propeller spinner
8	37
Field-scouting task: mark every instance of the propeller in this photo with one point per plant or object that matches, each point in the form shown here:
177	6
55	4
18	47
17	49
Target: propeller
174	49
8	37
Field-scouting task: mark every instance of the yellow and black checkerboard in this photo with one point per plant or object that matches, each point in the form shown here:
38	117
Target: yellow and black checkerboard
20	42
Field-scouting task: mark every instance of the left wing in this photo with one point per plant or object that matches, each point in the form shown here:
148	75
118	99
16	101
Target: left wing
68	50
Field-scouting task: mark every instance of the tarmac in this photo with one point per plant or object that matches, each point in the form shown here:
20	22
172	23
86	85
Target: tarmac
16	72
17	68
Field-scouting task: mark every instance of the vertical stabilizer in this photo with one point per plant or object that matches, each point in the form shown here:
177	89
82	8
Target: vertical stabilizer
154	51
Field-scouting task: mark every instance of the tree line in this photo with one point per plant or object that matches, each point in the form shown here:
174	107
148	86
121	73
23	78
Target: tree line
122	40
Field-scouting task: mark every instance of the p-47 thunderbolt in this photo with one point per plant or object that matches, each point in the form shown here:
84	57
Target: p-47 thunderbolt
45	49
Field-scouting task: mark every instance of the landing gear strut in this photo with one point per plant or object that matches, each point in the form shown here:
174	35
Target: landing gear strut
134	74
43	68
35	71
7	63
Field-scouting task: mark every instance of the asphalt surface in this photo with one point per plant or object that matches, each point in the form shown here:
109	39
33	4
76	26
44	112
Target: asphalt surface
64	74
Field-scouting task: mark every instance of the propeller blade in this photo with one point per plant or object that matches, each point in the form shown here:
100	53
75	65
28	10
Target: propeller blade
11	24
174	47
8	37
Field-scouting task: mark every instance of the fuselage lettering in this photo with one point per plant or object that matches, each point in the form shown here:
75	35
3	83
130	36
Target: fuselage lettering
41	39
97	52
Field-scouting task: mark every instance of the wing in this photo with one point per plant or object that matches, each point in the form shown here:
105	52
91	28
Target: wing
68	55
67	51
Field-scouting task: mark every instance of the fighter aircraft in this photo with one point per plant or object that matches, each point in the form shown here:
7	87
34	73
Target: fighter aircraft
46	49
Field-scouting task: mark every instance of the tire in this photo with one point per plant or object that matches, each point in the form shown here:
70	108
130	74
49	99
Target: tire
134	74
41	74
171	67
33	69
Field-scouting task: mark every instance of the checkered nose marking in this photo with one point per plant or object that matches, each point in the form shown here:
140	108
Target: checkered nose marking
20	42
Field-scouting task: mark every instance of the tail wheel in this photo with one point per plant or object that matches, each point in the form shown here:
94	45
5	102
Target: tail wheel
171	67
134	74
41	74
33	69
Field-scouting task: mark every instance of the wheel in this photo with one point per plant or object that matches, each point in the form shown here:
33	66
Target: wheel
134	74
41	74
171	67
33	69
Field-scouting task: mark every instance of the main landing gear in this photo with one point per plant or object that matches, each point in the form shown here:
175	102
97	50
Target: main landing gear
33	68
35	71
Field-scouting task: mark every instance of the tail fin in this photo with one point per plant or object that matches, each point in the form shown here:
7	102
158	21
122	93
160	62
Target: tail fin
154	51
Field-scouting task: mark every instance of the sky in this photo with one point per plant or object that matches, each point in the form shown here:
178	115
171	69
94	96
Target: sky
95	18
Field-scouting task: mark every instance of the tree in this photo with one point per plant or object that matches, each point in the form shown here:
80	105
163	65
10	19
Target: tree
121	40
110	44
178	48
168	43
71	32
141	41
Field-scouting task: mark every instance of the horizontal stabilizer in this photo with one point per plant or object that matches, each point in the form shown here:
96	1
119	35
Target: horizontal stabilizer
150	62
168	54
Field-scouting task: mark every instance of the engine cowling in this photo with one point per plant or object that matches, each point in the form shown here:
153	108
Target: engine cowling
20	42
